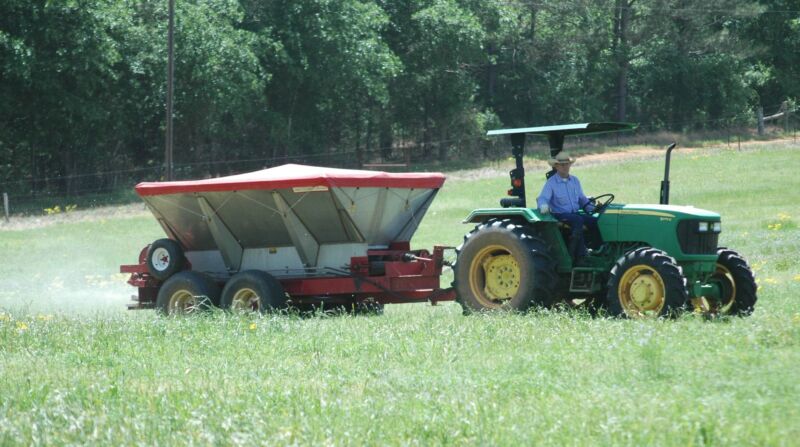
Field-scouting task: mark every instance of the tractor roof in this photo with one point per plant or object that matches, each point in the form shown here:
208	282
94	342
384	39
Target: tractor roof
567	129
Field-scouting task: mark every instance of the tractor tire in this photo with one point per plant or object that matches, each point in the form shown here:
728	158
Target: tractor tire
164	258
646	283
187	292
739	284
254	291
502	266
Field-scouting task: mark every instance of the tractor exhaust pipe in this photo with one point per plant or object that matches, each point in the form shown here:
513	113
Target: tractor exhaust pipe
664	200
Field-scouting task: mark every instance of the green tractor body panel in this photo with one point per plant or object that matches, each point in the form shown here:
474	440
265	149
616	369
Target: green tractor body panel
686	233
674	229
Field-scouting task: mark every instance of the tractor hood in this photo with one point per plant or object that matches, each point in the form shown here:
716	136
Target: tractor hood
685	232
663	211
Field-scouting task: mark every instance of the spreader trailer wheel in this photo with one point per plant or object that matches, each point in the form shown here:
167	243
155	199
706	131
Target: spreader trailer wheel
501	266
164	259
253	291
646	283
187	292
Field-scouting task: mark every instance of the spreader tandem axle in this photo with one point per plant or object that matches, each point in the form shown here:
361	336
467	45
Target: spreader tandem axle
303	237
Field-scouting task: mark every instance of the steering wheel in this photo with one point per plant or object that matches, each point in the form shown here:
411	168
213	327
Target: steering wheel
603	204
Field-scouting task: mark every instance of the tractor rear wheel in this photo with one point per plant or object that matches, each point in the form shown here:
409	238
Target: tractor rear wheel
502	266
646	283
738	284
254	291
187	292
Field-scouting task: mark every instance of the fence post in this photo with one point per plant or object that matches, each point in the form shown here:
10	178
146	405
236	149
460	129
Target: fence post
739	142
785	110
760	113
5	204
728	134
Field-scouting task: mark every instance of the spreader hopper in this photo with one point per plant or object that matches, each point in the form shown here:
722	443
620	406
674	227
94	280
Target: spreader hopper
291	220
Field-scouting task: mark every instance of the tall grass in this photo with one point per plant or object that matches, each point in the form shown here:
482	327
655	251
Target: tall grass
76	369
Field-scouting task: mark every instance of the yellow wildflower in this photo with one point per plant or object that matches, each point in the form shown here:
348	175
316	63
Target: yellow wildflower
783	217
796	318
21	326
5	317
41	317
771	281
796	277
252	326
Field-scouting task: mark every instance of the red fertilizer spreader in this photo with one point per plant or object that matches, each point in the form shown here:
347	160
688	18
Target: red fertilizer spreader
292	236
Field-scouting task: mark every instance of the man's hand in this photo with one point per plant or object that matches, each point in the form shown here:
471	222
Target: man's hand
544	209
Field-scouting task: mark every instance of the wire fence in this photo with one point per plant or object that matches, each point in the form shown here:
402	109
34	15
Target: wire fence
33	194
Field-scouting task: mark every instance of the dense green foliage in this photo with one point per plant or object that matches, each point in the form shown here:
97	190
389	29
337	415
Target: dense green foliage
82	83
77	369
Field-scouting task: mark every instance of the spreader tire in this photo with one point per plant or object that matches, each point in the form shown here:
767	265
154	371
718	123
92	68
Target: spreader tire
738	283
187	292
502	266
255	291
646	283
164	259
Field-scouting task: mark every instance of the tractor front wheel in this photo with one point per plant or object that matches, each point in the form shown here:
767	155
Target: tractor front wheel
646	283
738	284
187	292
502	266
253	291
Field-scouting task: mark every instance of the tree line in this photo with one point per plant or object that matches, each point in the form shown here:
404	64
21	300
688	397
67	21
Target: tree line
82	83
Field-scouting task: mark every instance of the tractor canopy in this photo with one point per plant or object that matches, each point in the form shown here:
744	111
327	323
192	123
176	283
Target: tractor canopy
567	129
556	134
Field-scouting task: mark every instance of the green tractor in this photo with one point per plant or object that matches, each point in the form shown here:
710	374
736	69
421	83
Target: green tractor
654	260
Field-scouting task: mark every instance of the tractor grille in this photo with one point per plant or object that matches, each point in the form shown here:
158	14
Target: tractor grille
695	243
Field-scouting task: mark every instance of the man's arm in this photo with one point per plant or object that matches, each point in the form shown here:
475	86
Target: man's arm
583	201
543	201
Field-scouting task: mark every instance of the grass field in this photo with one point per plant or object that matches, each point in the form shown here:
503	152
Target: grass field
76	368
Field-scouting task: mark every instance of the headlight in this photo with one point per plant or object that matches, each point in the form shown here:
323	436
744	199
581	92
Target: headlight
702	227
717	227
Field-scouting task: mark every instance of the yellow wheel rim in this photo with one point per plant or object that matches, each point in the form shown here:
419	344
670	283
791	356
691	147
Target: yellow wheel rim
725	275
641	291
182	301
246	299
494	276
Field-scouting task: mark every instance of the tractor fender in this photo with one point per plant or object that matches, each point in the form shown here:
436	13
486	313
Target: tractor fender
528	214
545	226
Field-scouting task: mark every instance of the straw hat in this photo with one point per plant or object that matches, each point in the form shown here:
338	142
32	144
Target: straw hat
561	158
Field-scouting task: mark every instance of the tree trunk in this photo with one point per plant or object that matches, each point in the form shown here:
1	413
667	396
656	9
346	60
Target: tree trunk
621	50
385	137
359	151
443	146
491	75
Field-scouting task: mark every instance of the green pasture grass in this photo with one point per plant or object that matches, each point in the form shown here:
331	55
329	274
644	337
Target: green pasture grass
75	368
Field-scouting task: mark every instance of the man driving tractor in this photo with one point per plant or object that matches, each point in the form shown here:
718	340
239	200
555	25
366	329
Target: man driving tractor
563	196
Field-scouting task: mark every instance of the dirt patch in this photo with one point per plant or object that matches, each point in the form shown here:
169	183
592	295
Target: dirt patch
17	223
501	168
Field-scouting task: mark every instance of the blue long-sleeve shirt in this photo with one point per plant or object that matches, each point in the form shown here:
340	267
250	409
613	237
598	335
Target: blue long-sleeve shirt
562	195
